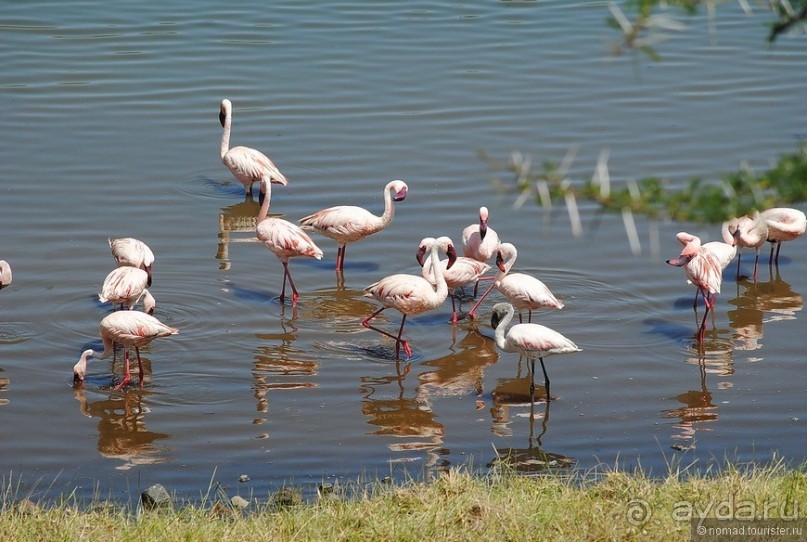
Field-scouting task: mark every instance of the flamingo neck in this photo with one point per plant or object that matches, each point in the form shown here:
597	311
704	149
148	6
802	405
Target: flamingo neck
225	135
266	187
509	262
441	288
502	327
728	238
389	207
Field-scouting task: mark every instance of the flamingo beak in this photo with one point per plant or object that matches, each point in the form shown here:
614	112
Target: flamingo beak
452	256
500	262
400	196
148	272
483	229
421	255
680	261
222	116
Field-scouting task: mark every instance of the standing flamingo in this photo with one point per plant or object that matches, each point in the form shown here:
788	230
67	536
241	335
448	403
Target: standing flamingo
412	294
5	274
126	285
749	231
531	340
522	290
702	269
348	223
284	239
128	328
784	224
464	271
479	242
130	251
248	165
724	250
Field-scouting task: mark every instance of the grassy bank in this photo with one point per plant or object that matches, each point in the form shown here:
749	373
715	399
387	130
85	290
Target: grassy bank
585	506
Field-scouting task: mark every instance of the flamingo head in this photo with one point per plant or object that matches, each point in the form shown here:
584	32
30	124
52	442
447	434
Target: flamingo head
451	252
500	310
423	248
400	189
80	368
225	110
500	262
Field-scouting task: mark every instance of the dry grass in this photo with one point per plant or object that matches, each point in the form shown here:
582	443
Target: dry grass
611	505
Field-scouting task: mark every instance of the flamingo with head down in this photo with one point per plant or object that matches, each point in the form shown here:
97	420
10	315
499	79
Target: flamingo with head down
348	223
412	294
133	252
749	231
126	285
127	328
784	224
5	274
247	165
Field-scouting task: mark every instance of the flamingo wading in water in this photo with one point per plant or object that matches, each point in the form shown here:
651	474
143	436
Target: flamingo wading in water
749	231
284	239
703	269
128	328
479	241
412	294
134	252
784	224
522	290
5	274
464	271
348	223
126	285
533	341
247	165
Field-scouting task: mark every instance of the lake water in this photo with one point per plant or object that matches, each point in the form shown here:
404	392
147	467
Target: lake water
110	129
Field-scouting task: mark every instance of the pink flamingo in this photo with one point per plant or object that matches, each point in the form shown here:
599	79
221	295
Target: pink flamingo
480	242
247	165
784	224
126	285
533	341
133	252
464	271
284	239
412	294
128	328
702	268
5	274
724	250
522	290
347	223
749	231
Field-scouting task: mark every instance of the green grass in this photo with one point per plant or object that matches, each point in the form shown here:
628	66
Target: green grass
602	505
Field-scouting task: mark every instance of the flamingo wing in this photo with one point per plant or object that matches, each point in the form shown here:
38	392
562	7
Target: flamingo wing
287	240
250	164
343	223
537	340
526	291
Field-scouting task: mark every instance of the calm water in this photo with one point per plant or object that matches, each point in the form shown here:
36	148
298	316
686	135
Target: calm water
110	128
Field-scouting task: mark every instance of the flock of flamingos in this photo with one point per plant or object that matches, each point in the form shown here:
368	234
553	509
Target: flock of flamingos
126	285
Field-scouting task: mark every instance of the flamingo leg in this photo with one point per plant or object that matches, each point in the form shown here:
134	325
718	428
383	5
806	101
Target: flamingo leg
398	341
340	258
139	365
546	378
126	375
454	309
294	294
778	248
481	299
756	264
283	290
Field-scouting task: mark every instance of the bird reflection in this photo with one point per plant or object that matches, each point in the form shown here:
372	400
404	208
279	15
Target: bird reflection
4	382
238	218
532	459
122	432
338	309
409	419
461	371
281	366
775	297
698	410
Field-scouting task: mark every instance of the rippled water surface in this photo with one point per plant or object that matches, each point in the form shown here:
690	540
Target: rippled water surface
110	129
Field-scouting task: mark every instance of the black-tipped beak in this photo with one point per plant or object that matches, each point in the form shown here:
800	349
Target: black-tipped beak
452	256
483	229
421	256
500	262
400	196
222	116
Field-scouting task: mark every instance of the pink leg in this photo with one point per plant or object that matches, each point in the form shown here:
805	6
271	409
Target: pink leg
398	341
340	258
481	299
294	294
126	375
454	318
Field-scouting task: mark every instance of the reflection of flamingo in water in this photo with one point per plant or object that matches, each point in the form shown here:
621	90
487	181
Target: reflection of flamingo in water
464	271
702	268
126	285
133	252
245	163
348	223
533	341
128	328
284	239
411	294
749	231
5	274
784	224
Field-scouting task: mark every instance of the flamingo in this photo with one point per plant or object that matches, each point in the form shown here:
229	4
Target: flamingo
464	271
522	290
5	274
533	341
248	165
784	224
131	251
702	268
412	294
749	231
284	239
129	328
126	285
348	223
480	242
